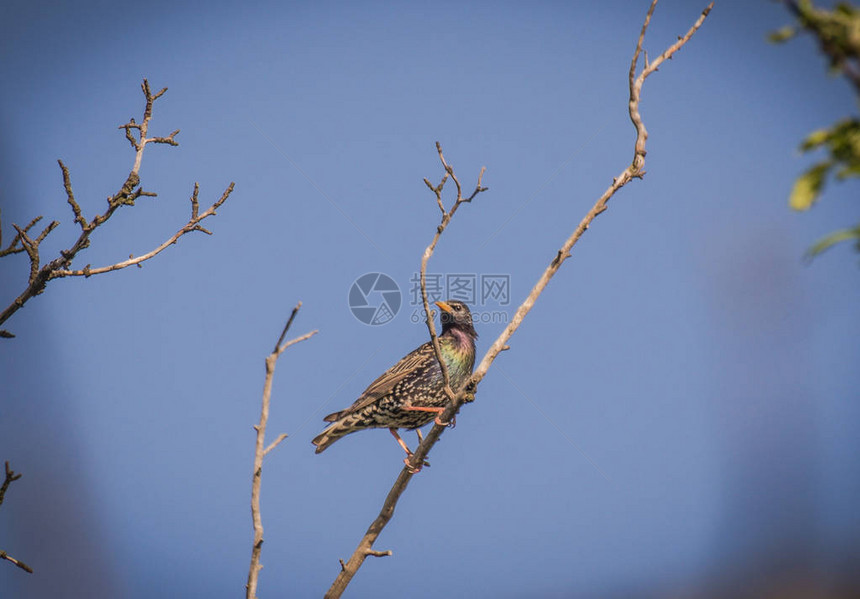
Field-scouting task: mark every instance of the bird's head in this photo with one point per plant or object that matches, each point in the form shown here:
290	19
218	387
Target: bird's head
455	315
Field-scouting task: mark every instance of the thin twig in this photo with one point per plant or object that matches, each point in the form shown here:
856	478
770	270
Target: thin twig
274	443
193	224
11	476
428	253
634	170
261	450
287	326
17	562
70	197
14	247
296	340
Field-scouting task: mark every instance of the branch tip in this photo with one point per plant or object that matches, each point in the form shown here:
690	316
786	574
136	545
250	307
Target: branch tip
275	443
287	326
19	563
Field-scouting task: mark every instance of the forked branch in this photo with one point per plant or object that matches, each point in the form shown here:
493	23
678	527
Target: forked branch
11	476
447	215
466	392
261	450
129	192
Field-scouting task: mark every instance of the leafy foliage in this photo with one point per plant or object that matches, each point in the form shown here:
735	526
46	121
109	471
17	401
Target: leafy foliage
842	141
838	34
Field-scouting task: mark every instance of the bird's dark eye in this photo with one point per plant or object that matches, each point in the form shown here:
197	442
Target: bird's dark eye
456	308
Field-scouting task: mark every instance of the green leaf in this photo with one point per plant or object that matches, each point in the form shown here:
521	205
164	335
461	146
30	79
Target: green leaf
848	171
827	242
782	35
815	139
844	9
808	187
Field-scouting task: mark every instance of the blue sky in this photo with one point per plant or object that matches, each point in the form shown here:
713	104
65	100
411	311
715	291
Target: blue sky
679	407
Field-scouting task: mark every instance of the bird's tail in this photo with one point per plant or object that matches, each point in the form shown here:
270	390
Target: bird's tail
331	434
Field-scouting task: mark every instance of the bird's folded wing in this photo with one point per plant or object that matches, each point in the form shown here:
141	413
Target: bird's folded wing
417	360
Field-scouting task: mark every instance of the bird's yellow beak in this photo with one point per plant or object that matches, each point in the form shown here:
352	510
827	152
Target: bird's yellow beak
445	307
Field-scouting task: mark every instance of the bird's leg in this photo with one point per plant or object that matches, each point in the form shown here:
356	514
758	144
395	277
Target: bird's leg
401	442
408	451
420	441
438	411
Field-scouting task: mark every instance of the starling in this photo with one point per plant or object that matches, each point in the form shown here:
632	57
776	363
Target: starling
411	393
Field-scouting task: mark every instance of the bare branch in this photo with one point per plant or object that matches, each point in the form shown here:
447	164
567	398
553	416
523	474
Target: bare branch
129	135
67	184
275	443
31	246
438	191
466	392
32	251
635	85
195	205
261	451
287	326
11	476
365	546
13	247
296	340
128	193
634	170
428	253
17	562
165	140
53	225
193	224
140	144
